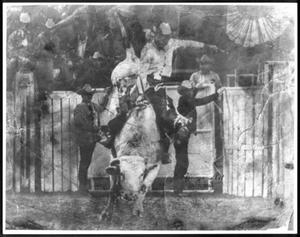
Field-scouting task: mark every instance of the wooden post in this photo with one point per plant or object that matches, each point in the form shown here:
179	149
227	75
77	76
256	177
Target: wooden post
28	146
219	144
22	147
235	78
52	145
270	133
70	144
61	143
38	150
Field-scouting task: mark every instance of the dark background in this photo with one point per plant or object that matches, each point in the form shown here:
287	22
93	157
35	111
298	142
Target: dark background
201	23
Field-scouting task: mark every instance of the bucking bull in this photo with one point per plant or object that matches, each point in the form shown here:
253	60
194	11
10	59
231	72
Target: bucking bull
138	149
137	164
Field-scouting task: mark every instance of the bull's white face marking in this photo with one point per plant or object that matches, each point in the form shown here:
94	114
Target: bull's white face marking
136	177
132	170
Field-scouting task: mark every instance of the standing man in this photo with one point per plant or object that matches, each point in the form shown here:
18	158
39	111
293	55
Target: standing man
87	129
187	107
205	76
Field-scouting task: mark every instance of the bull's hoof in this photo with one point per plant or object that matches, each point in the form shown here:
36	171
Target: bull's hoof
105	215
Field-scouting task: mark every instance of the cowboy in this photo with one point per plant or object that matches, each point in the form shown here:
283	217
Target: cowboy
87	130
156	65
157	54
187	107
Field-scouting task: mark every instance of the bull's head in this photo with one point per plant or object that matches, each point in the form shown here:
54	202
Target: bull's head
132	175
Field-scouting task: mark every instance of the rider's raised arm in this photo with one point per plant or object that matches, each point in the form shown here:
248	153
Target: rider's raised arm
79	13
176	43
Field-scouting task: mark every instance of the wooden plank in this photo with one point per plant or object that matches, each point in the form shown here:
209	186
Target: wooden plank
28	143
77	148
70	144
253	141
47	150
38	152
249	140
56	144
22	147
259	133
52	145
229	170
231	129
270	134
235	132
241	166
16	146
265	142
225	170
234	187
257	140
249	174
74	165
61	145
225	117
274	143
42	153
257	174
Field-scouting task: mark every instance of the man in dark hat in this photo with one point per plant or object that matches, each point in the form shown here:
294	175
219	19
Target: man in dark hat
87	130
187	107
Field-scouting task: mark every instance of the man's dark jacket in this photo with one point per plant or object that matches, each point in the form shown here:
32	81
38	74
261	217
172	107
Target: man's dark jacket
85	129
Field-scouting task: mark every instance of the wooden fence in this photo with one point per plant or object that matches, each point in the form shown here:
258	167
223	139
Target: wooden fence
45	157
258	141
258	136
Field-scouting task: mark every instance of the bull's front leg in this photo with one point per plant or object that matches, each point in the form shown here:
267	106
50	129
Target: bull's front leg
150	175
107	212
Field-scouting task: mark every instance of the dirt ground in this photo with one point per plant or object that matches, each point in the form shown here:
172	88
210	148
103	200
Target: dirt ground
73	211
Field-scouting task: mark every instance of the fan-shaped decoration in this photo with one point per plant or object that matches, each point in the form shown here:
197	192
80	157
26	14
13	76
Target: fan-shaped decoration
252	25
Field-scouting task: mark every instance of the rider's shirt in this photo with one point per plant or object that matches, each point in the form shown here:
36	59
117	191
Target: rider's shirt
159	62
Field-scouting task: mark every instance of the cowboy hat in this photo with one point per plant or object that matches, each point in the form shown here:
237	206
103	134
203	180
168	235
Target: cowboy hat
184	87
165	28
49	23
86	90
24	17
205	60
97	55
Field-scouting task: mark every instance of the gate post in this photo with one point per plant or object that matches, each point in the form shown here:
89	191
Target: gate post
269	68
37	143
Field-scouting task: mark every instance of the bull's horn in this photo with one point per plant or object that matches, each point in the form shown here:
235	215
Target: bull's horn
112	170
115	162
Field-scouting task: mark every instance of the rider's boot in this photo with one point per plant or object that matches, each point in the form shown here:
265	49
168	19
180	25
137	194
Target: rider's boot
166	159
